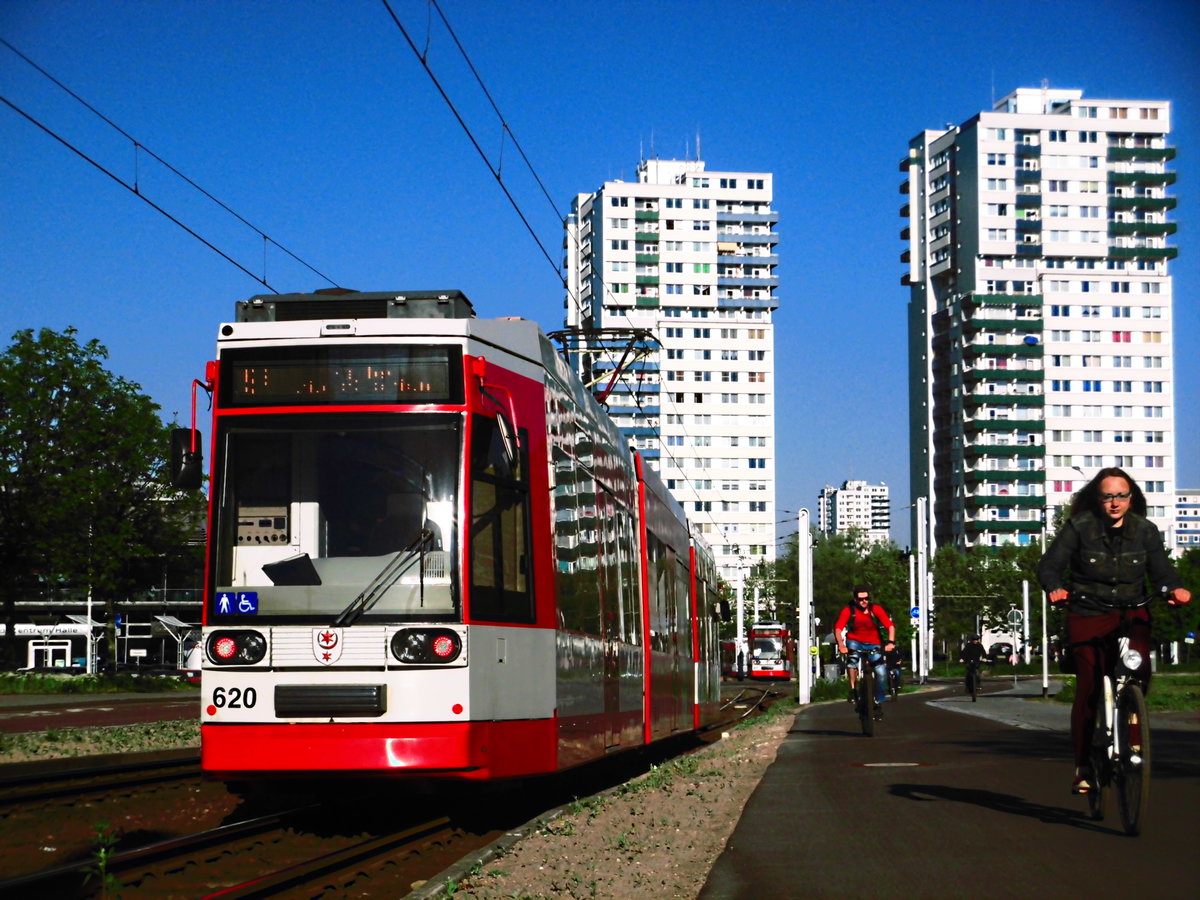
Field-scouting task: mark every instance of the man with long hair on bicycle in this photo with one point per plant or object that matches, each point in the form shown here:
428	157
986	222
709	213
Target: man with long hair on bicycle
972	654
861	622
1111	550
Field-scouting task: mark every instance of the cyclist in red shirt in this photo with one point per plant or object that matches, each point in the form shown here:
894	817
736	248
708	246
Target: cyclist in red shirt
857	634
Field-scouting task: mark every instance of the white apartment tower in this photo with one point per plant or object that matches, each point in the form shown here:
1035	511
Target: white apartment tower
856	505
678	270
1040	319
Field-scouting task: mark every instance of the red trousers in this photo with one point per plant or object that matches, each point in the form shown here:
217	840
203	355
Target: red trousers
1093	643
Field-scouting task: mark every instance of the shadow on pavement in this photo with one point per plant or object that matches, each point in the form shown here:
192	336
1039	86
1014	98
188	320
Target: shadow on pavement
1004	803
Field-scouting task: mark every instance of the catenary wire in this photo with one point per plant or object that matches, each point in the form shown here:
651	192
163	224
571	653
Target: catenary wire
138	145
133	190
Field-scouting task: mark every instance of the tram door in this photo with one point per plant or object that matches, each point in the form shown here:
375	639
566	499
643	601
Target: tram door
610	607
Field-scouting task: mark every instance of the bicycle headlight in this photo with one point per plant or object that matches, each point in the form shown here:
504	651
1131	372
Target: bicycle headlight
1131	659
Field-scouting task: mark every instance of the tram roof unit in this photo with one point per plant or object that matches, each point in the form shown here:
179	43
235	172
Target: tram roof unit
341	303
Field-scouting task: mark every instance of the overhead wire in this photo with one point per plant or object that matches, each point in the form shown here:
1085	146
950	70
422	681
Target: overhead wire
497	173
135	188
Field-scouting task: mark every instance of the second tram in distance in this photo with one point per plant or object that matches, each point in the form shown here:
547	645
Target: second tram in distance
431	552
770	651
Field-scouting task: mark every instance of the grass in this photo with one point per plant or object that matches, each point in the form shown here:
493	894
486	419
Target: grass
18	683
1168	693
98	740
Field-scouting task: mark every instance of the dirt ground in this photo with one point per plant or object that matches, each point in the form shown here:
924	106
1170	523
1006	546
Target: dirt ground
656	837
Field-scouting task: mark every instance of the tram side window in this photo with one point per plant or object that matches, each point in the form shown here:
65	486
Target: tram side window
500	557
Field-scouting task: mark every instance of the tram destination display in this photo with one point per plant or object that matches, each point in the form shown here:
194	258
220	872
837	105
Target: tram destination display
317	376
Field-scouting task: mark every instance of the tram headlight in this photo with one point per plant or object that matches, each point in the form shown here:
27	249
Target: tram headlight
236	648
422	646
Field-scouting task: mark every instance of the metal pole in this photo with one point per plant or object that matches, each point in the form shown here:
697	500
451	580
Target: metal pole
922	601
1045	650
804	606
91	653
1025	618
741	630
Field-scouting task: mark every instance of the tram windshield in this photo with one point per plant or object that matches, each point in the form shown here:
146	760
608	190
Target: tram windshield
315	516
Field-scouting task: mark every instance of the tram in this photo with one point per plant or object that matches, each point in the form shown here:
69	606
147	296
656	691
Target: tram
770	658
431	553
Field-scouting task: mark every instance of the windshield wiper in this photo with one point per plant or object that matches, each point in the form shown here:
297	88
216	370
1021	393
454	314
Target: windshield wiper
397	566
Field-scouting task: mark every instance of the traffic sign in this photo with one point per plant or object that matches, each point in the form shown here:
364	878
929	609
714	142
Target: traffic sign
916	612
1015	617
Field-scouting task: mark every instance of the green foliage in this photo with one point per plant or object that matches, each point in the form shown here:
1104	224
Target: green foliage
17	683
106	840
82	464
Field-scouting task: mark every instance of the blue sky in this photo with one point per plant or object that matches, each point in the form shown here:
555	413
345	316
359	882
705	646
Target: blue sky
315	122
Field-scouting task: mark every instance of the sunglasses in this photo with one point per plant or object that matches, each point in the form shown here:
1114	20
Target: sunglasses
1124	496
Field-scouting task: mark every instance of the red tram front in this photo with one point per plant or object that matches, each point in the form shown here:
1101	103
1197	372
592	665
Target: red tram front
432	553
770	658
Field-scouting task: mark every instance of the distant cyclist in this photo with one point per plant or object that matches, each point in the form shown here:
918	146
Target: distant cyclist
894	662
861	623
972	654
1111	549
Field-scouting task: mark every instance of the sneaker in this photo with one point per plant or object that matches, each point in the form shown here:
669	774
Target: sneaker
878	713
851	699
1082	783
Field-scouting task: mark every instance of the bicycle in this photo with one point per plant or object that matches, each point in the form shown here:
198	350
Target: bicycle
1120	751
894	683
864	688
974	682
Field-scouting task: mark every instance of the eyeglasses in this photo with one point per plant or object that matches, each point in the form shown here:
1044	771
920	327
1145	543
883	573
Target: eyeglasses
863	599
1105	498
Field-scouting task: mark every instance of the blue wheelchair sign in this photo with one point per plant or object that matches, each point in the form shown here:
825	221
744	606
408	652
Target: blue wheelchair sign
240	603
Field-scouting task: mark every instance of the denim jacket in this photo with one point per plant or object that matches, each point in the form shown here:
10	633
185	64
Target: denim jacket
1107	572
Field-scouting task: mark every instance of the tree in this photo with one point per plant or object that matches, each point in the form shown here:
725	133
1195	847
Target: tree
82	457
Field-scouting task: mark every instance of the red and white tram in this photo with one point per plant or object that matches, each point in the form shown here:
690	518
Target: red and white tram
430	552
770	656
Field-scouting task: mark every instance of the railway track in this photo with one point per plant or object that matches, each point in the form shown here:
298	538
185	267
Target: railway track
49	782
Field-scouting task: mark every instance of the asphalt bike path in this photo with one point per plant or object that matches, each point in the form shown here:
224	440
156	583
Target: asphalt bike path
944	804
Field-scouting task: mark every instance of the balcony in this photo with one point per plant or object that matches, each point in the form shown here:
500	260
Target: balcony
647	302
647	279
974	401
1005	451
1143	252
973	377
650	259
646	215
975	300
1151	203
647	236
1009	501
754	218
1157	229
975	427
1162	178
1007	476
1140	154
980	526
1022	325
771	281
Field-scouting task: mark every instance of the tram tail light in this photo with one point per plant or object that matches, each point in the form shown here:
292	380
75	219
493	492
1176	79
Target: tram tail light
426	645
236	648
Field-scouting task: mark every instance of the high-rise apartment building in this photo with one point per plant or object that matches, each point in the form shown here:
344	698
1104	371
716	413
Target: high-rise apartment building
856	505
671	280
1040	310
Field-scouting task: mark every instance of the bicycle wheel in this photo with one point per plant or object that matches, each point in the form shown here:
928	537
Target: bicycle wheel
1132	766
866	700
1098	760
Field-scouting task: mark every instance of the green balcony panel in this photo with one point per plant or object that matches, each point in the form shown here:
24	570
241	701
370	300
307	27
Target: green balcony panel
975	526
647	302
1152	228
646	215
1163	203
1140	154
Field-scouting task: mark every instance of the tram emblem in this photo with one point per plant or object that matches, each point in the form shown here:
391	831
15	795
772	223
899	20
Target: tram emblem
327	645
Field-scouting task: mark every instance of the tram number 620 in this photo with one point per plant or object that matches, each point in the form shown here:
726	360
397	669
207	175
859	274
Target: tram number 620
234	698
